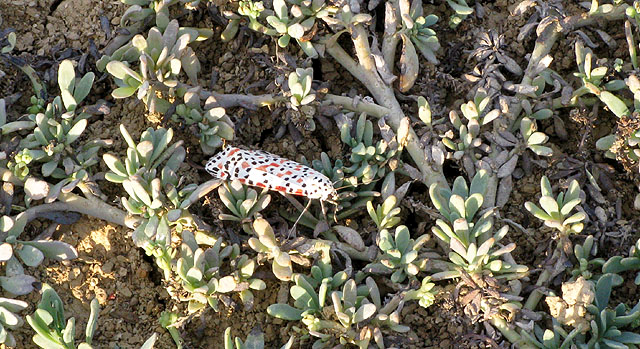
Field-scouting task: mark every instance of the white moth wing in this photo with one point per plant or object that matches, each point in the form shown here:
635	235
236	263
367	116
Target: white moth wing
270	181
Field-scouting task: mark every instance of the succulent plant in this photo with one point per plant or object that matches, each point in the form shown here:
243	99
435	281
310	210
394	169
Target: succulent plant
592	82
10	320
473	244
54	138
162	56
20	164
629	146
37	105
303	96
203	273
13	251
416	26
425	295
358	310
406	23
385	215
320	277
285	27
461	10
267	244
555	212
555	338
299	27
477	114
595	324
344	18
534	140
608	325
243	201
157	201
624	145
399	255
167	321
49	323
149	11
212	125
8	45
619	264
489	49
368	159
10	127
255	340
583	254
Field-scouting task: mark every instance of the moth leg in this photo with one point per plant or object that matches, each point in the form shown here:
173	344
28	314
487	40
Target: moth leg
292	230
324	211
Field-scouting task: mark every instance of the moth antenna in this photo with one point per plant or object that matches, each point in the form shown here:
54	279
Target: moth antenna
350	185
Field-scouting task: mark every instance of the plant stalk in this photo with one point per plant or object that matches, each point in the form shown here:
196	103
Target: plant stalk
72	202
385	96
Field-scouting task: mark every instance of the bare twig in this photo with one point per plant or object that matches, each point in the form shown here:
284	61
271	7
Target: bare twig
390	39
75	203
357	105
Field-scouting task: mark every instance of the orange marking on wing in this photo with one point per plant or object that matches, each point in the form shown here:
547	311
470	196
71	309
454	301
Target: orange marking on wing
241	180
233	151
261	185
298	168
220	166
274	164
288	173
300	180
298	192
245	164
262	167
283	161
280	188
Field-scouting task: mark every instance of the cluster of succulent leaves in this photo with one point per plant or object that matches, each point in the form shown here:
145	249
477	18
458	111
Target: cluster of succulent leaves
212	125
255	340
400	255
296	21
473	242
328	303
461	11
243	202
160	59
48	321
477	114
54	139
303	96
415	30
556	211
155	192
368	159
203	273
267	245
608	327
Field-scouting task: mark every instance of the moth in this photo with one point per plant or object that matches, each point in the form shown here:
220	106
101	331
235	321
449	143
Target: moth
265	170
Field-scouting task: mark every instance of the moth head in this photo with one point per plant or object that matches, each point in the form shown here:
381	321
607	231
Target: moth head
321	188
